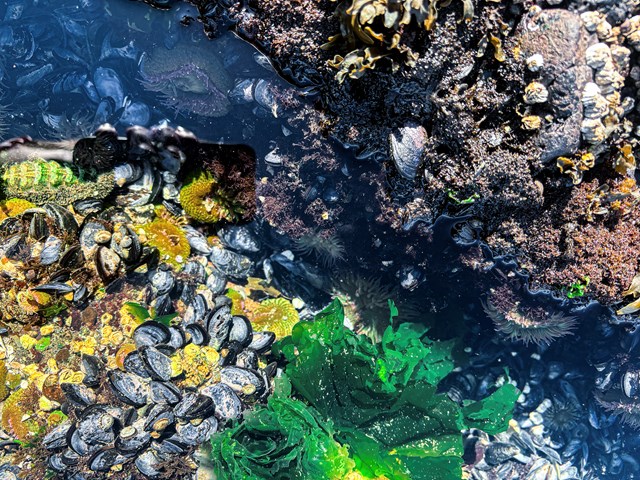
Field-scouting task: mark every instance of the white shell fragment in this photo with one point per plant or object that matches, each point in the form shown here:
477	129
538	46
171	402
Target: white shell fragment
534	93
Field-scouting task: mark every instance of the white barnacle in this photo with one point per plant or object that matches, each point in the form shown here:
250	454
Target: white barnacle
631	30
595	105
593	131
597	55
591	20
621	56
535	62
604	30
534	93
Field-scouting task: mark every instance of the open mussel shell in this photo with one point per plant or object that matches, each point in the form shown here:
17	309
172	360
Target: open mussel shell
129	388
151	333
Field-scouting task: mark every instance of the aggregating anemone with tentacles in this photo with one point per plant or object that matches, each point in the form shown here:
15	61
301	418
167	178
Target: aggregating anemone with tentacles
327	249
518	321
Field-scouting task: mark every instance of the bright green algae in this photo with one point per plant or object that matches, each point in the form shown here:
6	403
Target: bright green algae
358	409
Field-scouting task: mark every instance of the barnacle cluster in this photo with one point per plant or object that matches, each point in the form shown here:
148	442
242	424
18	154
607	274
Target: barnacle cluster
525	323
373	29
204	199
604	107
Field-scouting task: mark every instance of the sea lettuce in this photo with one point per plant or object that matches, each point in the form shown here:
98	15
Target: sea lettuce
376	402
285	439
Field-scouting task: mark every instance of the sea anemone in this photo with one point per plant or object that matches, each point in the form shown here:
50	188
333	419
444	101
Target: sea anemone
562	416
328	249
528	324
13	207
205	200
627	408
276	315
365	301
190	79
168	237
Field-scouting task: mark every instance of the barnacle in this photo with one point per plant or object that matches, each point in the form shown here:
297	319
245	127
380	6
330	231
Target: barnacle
205	199
198	364
167	236
42	181
528	324
276	315
328	249
13	206
373	29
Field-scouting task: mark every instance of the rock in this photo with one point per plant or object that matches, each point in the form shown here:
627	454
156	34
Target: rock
560	37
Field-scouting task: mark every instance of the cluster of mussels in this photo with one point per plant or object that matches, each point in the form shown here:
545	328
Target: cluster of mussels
169	395
126	357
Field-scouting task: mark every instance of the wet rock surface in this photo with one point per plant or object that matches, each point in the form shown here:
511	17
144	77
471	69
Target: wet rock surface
490	150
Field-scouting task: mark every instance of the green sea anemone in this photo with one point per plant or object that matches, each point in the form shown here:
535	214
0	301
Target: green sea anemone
328	249
527	324
168	237
276	315
562	416
204	199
